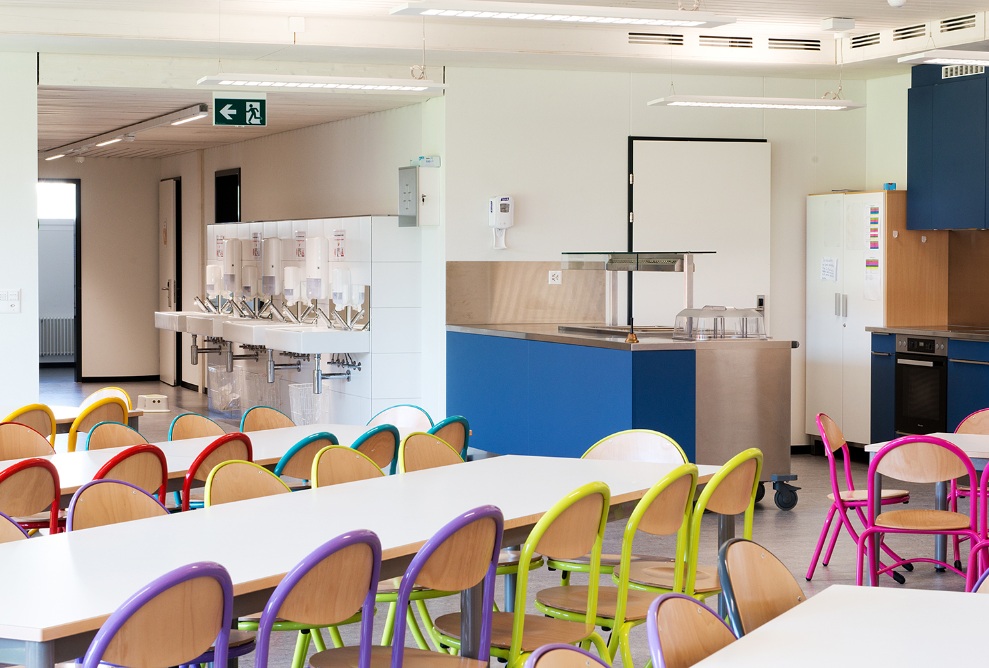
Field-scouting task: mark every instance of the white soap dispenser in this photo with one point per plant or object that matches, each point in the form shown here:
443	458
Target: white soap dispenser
271	266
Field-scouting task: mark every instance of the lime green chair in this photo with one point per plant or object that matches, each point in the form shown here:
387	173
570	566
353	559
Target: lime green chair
631	445
730	491
573	527
663	511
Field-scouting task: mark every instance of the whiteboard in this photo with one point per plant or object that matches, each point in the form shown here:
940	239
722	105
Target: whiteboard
701	195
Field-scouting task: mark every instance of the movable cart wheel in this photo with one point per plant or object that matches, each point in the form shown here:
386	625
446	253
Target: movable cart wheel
786	494
760	492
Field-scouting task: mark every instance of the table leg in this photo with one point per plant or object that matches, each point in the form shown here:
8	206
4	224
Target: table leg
471	611
510	581
726	531
874	538
941	540
39	655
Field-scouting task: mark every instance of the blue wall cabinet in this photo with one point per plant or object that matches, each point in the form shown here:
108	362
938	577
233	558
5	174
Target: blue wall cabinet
968	379
883	387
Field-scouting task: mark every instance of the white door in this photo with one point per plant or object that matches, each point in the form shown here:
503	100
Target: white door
168	341
826	270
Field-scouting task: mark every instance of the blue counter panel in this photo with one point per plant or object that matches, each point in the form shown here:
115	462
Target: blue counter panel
664	385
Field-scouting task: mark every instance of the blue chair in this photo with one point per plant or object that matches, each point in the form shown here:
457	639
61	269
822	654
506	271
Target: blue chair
407	417
192	425
259	418
454	430
297	462
380	445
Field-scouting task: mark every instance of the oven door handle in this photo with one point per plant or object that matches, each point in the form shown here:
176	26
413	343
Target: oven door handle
915	362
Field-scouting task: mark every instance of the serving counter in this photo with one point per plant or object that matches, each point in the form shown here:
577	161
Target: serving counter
537	390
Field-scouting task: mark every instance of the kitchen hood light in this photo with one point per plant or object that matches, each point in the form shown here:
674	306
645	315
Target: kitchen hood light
561	14
349	84
730	102
125	133
947	57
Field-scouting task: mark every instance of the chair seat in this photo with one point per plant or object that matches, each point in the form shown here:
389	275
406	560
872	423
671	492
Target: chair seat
41	519
612	560
238	638
295	484
511	558
659	574
574	599
347	657
390	587
863	496
539	630
923	520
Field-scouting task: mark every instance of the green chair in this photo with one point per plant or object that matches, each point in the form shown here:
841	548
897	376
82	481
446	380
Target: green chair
573	527
663	511
296	464
193	425
260	418
381	445
730	491
454	430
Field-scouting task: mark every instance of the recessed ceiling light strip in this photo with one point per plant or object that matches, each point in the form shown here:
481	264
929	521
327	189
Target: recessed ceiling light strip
729	102
946	57
330	84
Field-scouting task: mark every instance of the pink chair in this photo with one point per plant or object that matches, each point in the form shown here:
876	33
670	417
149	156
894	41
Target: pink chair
924	460
974	423
849	498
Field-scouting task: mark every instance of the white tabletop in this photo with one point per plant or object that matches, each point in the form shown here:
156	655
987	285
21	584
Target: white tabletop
89	573
906	627
64	415
976	446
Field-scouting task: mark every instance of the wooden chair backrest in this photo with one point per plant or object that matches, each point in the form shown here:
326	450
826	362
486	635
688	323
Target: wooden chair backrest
337	464
192	425
454	433
573	532
238	480
113	435
976	423
172	628
18	441
689	632
734	492
921	463
260	418
406	417
104	392
565	657
762	586
229	450
37	416
381	447
834	438
141	469
463	559
300	465
332	590
421	451
27	492
637	445
666	512
110	502
107	409
10	530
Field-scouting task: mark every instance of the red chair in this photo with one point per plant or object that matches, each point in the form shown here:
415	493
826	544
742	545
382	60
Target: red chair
233	446
849	498
30	493
142	465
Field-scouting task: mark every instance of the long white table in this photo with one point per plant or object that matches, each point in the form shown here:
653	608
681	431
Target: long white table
66	415
905	627
57	590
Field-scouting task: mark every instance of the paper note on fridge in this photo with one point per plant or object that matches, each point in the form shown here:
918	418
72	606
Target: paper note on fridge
829	269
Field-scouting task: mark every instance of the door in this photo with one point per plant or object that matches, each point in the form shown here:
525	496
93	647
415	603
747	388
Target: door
169	360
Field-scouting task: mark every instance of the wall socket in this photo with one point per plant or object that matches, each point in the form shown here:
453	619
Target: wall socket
555	277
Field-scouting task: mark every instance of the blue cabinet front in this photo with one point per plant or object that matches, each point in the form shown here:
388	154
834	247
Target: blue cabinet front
883	388
920	158
968	379
959	165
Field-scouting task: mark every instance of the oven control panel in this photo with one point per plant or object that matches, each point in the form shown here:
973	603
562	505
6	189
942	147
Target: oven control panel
922	345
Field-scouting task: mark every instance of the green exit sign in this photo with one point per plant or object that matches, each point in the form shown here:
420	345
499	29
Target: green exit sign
238	111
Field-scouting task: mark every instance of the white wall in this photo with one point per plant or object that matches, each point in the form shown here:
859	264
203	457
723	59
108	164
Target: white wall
119	263
19	221
886	130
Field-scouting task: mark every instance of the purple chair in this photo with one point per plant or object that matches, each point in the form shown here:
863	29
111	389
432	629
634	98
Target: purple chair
558	655
682	631
191	630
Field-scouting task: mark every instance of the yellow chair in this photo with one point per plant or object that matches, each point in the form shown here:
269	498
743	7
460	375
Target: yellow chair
420	450
573	527
663	511
730	491
108	391
113	435
107	409
37	416
336	464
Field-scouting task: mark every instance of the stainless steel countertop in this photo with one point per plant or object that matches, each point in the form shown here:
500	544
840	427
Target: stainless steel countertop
947	331
658	341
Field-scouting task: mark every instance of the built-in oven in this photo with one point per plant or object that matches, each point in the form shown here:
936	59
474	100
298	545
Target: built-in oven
921	384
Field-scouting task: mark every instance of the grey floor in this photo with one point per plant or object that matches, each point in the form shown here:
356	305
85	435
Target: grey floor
790	535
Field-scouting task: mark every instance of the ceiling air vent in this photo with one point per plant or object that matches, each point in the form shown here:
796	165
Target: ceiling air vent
958	23
909	32
729	42
859	41
955	71
668	39
794	44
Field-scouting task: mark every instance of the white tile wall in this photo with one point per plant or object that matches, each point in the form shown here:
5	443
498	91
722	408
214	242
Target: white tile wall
395	375
396	330
397	284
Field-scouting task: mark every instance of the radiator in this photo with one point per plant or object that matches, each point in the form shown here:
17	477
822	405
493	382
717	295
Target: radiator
57	336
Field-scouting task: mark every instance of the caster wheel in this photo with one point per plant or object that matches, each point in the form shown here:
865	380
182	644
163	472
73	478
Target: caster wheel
899	577
909	567
786	499
760	492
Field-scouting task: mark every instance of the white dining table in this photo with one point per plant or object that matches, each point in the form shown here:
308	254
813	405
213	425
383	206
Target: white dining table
58	590
66	415
905	627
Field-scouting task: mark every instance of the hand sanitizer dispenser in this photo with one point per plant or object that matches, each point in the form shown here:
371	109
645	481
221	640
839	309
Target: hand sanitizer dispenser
232	261
292	290
501	216
317	267
271	266
341	289
214	280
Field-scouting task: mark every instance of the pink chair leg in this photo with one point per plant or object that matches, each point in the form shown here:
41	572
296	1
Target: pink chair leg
834	540
820	543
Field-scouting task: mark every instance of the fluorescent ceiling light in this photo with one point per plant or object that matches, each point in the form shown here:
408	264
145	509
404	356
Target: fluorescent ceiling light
180	122
946	57
561	14
730	102
290	82
120	134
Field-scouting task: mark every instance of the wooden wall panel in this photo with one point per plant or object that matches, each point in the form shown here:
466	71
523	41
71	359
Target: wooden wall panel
968	278
916	270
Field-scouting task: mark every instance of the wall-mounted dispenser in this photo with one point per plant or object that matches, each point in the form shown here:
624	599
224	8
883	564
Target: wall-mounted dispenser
271	266
501	216
214	280
341	289
317	267
232	265
292	289
249	281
